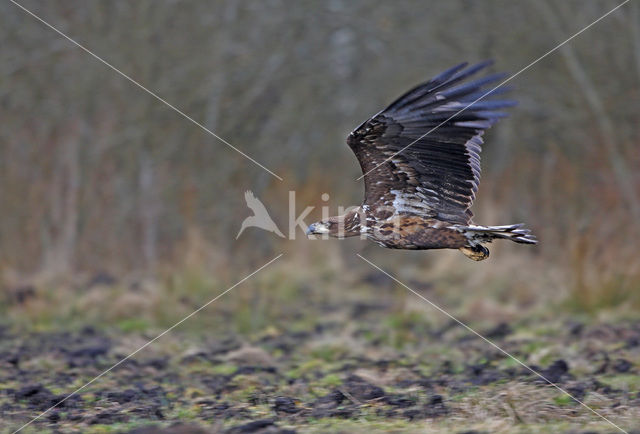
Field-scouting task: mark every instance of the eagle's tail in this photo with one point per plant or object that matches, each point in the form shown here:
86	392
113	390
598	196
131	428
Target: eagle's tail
485	234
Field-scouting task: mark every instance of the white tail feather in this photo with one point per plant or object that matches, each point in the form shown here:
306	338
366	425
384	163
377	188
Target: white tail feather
485	234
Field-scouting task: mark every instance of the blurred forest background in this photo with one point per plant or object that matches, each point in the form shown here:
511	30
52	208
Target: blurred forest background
97	176
117	212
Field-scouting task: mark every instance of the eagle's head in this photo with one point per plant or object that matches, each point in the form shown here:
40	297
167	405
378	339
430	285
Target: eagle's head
319	228
347	225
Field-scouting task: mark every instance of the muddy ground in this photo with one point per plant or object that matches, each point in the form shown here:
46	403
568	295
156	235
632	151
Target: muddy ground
381	372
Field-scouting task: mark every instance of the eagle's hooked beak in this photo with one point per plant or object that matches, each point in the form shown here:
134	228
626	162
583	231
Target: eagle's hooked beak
317	228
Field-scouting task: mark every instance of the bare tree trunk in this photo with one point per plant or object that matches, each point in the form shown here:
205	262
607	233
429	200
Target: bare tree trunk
634	19
148	211
607	130
59	256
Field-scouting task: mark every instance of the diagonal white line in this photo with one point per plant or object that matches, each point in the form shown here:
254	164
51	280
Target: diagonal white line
499	85
489	342
148	343
153	94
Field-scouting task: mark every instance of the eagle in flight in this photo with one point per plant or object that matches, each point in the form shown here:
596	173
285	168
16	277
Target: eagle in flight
420	159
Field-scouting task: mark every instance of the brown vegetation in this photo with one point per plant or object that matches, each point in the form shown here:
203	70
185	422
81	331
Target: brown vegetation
118	212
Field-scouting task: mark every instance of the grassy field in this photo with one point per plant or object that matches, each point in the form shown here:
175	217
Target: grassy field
316	351
121	212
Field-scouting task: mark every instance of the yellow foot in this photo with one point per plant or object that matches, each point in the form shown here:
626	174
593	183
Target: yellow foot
477	253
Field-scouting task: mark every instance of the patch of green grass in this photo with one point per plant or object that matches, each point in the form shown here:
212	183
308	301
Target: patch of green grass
131	325
508	362
375	425
331	380
622	381
305	368
533	346
207	367
329	353
102	429
224	369
185	413
563	400
458	397
120	427
245	386
408	321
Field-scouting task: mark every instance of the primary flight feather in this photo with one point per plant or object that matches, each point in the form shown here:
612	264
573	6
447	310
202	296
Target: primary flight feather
420	159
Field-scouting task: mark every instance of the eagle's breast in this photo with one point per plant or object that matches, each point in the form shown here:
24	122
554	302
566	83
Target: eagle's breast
404	231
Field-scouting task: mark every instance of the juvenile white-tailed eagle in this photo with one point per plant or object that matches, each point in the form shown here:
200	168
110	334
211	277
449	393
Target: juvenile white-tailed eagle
421	163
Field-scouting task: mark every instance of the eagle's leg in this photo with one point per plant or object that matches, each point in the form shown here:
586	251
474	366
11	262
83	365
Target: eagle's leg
477	252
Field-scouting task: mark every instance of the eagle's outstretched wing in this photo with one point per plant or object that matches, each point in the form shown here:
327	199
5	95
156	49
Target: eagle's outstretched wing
438	175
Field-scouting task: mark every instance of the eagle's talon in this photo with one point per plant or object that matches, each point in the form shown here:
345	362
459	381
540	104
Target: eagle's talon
477	252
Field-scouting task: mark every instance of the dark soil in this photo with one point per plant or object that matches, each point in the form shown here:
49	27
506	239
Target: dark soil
277	383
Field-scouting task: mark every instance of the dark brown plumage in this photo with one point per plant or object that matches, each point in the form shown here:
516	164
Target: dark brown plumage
421	163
